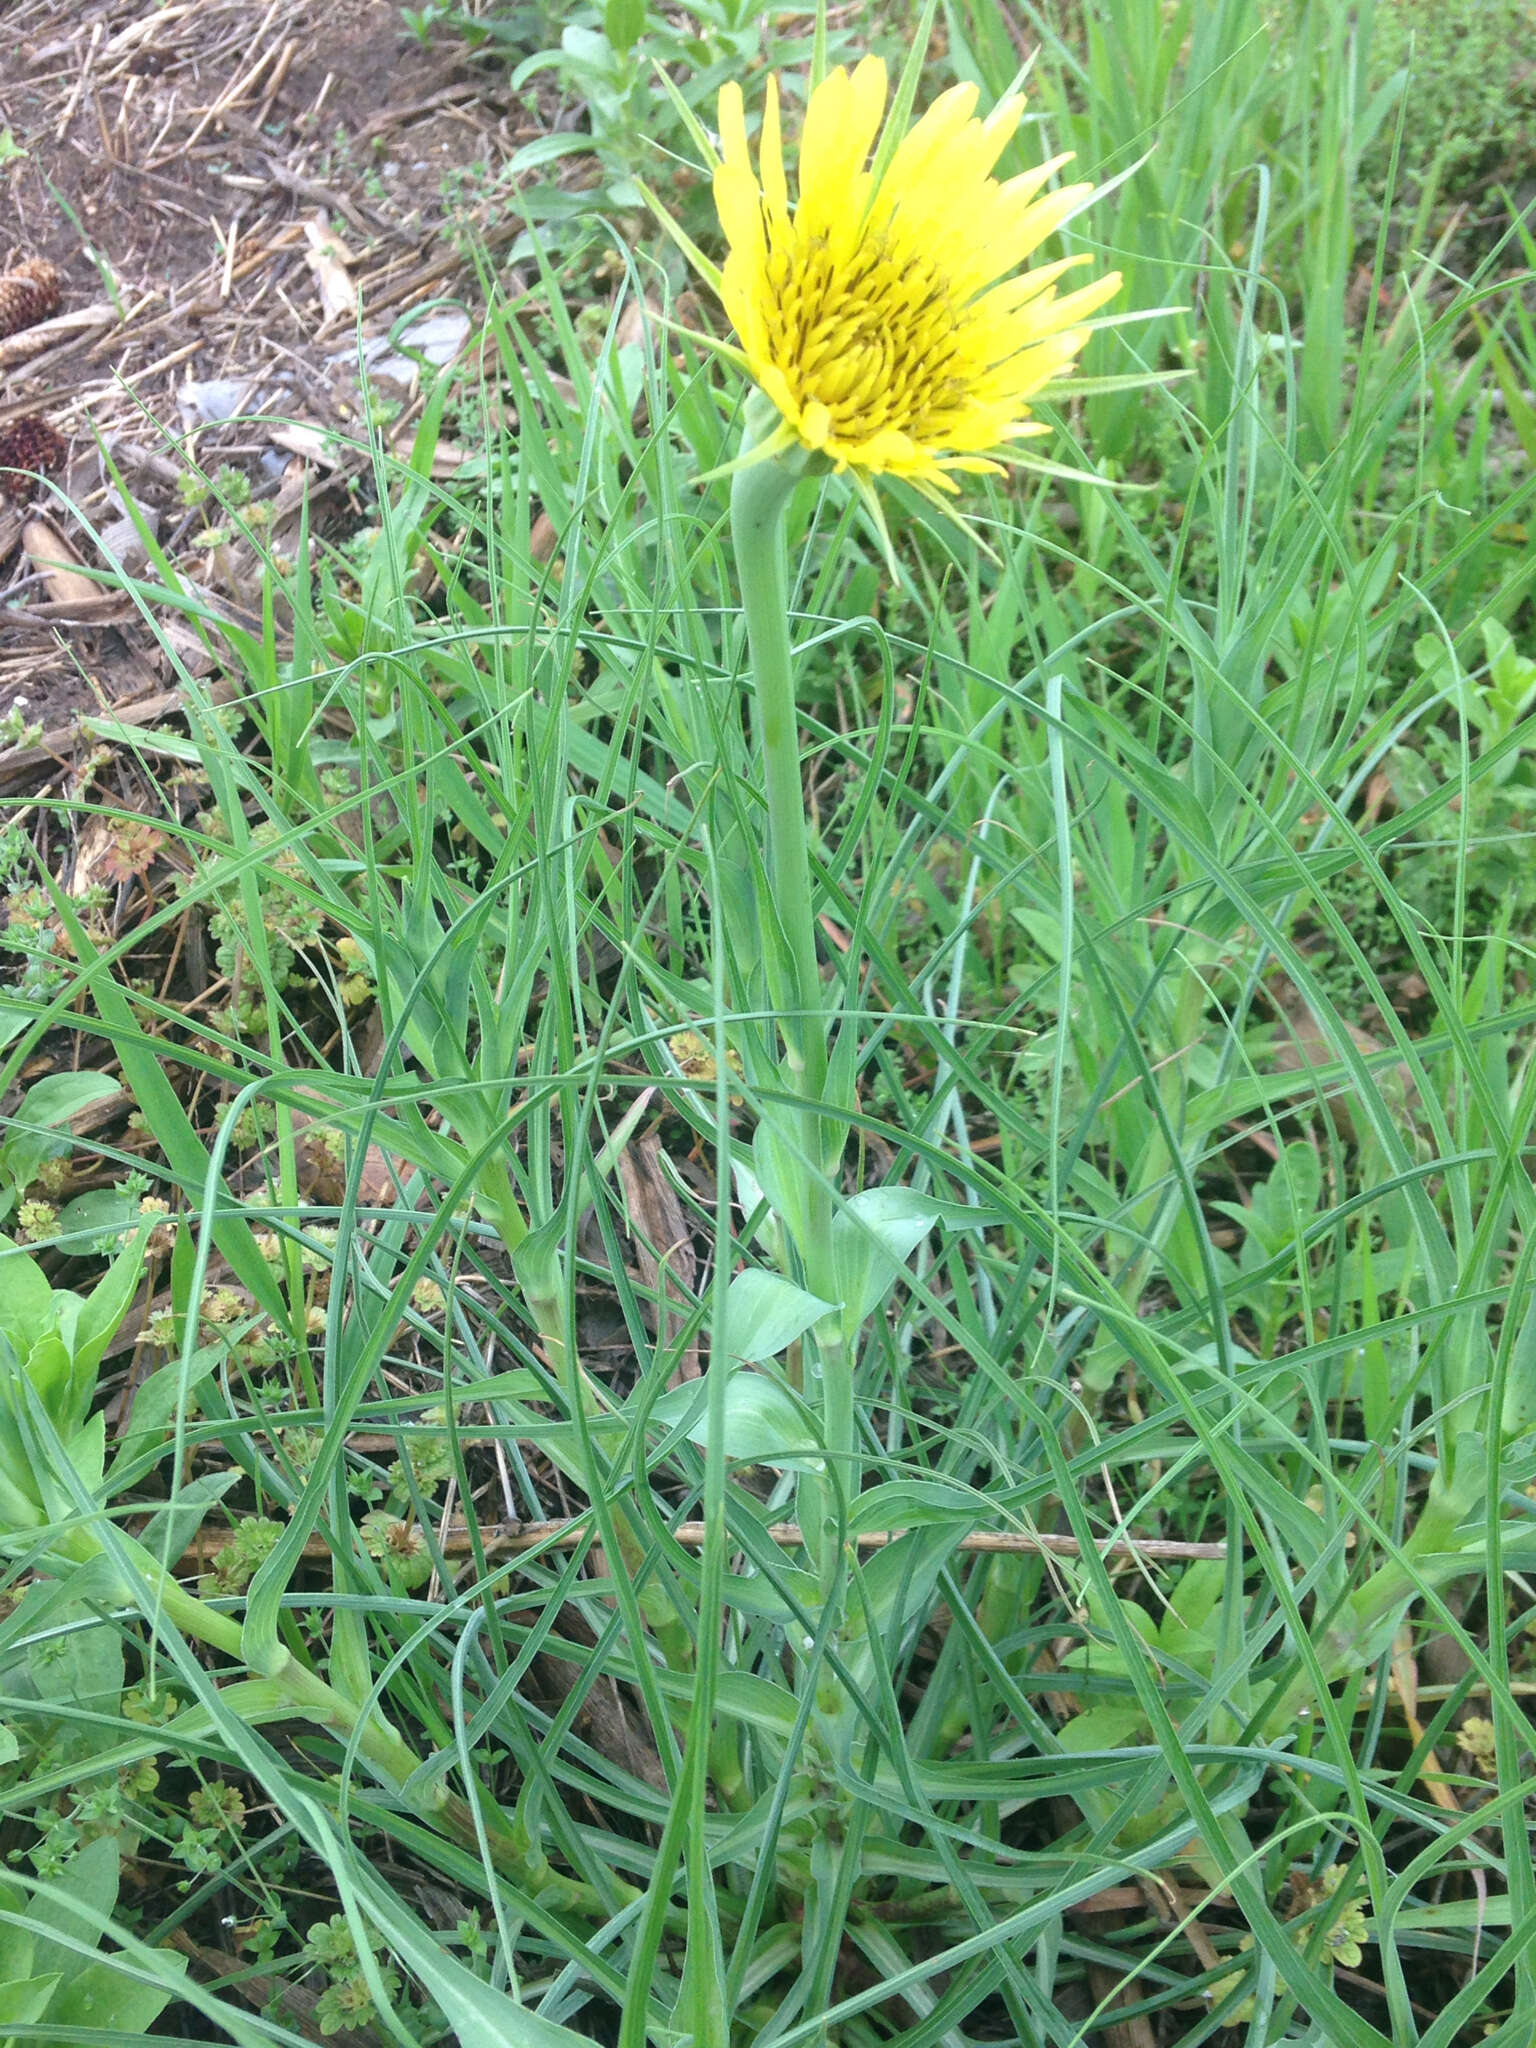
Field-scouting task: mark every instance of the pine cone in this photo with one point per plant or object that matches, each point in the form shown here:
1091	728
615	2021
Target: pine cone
29	444
29	293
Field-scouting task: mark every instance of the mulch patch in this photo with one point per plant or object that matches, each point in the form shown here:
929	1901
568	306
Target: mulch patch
230	195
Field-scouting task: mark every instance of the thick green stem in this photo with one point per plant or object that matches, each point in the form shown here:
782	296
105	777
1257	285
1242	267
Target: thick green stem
309	1694
305	1693
498	1203
760	497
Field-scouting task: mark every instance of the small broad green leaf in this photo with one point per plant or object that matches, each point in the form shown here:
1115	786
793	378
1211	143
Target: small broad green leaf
916	1503
754	1202
780	1177
1098	1660
99	1212
47	1366
87	1450
89	1879
764	1315
900	1582
1135	1615
82	1666
171	1529
1108	1726
875	1233
1043	926
28	1310
58	1097
764	1423
1512	674
24	2001
1452	1503
755	1702
49	1603
20	1494
758	1596
16	1943
1429	653
47	1105
1284	1202
1188	1628
104	1995
1194	1598
104	1308
156	1403
1100	1656
624	24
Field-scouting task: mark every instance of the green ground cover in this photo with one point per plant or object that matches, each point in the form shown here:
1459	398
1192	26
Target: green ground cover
1173	900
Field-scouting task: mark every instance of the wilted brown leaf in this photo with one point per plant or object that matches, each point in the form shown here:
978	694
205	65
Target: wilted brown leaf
328	257
663	1243
57	562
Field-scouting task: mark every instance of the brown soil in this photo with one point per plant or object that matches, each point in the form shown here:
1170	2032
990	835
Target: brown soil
181	162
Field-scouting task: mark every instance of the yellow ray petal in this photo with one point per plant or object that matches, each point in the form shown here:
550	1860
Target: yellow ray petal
770	150
739	205
1016	292
732	120
946	119
841	121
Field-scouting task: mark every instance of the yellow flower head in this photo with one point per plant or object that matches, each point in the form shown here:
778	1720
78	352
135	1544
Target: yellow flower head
885	314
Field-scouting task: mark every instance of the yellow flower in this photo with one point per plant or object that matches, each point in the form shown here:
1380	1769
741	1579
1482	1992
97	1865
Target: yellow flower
886	315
